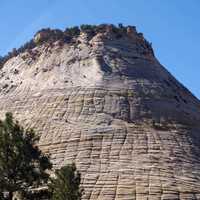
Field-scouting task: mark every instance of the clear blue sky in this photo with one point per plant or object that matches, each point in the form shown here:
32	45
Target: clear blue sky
173	26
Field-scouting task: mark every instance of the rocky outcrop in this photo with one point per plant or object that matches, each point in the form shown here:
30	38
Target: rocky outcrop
104	102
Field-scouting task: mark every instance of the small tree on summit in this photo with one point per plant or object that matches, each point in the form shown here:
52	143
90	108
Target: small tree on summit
22	164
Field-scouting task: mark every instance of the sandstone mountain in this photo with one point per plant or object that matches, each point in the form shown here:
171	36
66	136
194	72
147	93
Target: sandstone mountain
101	99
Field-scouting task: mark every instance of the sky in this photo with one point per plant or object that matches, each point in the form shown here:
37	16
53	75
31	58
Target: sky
173	26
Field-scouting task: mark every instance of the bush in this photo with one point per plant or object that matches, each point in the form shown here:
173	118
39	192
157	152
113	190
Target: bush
88	28
73	31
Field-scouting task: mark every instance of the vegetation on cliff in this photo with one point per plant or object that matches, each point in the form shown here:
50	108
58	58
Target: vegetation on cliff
66	184
23	167
69	35
22	164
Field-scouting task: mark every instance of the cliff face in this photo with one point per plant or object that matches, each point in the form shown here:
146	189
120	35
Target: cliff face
104	102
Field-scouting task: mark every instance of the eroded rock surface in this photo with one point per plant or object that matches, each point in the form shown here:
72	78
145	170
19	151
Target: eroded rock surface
106	103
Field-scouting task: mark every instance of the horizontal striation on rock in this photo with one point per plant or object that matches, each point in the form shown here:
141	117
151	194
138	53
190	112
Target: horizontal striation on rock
107	104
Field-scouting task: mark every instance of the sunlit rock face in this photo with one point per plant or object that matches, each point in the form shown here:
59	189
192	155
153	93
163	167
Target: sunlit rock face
104	102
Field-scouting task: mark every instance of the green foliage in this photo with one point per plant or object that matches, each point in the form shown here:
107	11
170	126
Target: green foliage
121	29
120	25
42	194
88	28
22	164
66	184
48	35
130	93
73	31
29	45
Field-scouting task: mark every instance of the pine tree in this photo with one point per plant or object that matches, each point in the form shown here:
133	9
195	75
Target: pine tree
66	184
22	164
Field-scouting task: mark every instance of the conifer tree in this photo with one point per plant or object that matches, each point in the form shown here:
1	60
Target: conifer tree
22	164
66	184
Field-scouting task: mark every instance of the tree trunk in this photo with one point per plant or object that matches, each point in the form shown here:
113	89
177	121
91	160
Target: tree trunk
10	196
